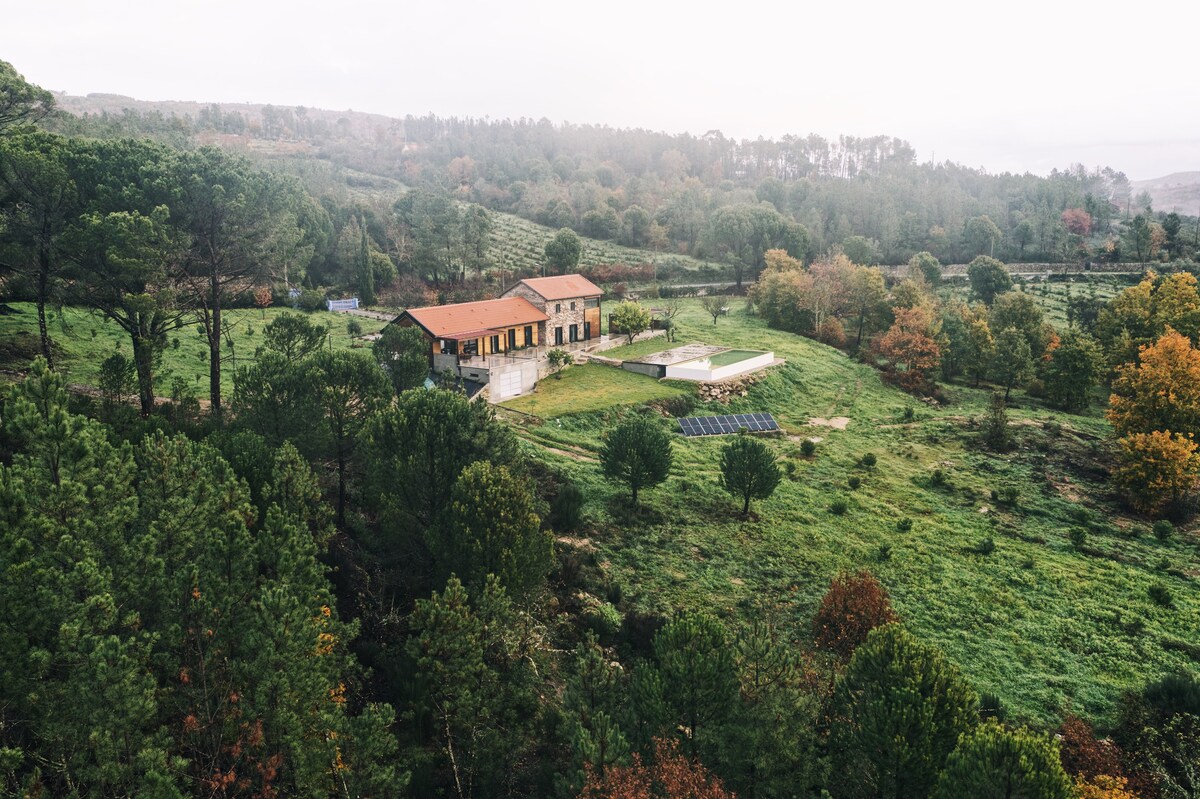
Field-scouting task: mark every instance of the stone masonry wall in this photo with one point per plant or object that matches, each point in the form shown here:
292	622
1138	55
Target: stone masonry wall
564	318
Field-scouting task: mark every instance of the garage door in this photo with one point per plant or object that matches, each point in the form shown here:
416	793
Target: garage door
510	384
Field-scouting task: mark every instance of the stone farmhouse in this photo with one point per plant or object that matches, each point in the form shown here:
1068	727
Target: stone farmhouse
502	343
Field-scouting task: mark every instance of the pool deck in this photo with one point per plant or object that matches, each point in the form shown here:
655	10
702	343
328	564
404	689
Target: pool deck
687	352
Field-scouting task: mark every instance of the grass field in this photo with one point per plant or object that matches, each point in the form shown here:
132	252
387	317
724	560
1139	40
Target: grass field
1043	625
84	339
590	387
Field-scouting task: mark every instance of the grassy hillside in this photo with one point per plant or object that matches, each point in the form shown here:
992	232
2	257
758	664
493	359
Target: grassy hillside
84	339
1042	624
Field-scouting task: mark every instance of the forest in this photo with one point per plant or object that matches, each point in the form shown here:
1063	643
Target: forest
304	573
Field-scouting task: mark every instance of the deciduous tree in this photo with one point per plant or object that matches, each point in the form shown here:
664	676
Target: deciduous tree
988	278
911	342
631	319
853	605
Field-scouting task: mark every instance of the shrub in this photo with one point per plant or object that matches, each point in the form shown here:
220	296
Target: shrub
838	507
603	619
559	359
904	525
1008	495
566	511
354	328
937	478
994	425
1078	536
884	552
808	447
854	482
853	605
1163	530
909	414
679	405
1160	595
986	547
990	707
1164	564
868	460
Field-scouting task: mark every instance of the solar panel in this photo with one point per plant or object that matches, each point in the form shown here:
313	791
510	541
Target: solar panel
722	425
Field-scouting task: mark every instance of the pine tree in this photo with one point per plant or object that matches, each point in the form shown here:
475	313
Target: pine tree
748	470
995	763
900	708
491	528
698	676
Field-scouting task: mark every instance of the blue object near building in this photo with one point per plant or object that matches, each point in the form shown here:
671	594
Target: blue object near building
343	305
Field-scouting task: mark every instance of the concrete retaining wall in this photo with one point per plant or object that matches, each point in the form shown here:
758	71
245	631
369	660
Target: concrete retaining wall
694	370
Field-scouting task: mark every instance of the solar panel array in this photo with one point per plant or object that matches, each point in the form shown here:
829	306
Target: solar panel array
721	425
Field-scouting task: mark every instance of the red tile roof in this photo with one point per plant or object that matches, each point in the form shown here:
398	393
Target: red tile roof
447	320
563	287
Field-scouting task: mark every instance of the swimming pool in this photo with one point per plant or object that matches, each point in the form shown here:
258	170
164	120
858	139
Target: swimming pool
720	365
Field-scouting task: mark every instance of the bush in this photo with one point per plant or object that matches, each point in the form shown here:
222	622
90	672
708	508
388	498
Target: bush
1008	495
603	619
1163	530
868	460
311	300
910	413
904	525
566	511
854	482
990	707
808	447
678	405
1160	595
354	328
986	547
1078	536
884	552
937	478
853	605
839	507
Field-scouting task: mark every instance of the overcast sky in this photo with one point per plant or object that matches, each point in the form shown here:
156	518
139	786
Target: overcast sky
1007	86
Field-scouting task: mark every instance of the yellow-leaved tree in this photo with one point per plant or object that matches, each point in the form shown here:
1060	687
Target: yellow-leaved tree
1155	408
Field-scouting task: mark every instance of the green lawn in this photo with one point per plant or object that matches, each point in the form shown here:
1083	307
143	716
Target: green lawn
640	349
590	387
1037	622
84	339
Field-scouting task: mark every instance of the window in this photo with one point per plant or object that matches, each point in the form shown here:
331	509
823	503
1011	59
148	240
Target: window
595	303
572	305
495	343
558	307
528	335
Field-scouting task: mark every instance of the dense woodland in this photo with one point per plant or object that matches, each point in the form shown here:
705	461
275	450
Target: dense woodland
333	583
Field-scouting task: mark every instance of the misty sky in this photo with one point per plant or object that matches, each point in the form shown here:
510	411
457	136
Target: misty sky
1007	86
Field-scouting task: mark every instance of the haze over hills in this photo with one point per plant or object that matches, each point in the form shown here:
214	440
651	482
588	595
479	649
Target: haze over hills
1178	191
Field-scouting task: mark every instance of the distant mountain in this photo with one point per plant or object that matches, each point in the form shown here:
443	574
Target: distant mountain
1178	191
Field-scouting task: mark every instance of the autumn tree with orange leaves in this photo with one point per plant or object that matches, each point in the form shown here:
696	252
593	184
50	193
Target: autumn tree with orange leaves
853	605
669	774
912	343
